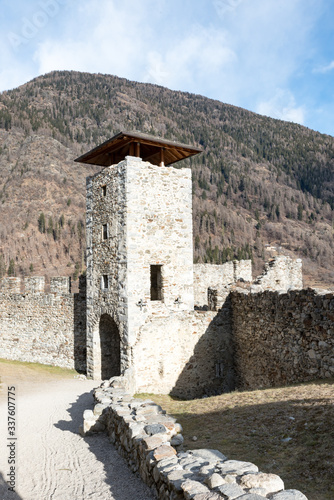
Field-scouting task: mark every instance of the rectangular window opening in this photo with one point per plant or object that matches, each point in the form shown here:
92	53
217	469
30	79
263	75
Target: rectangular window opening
105	231
105	282
104	190
156	282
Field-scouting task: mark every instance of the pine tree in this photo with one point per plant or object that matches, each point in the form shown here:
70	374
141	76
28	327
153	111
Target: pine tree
41	223
11	268
2	266
300	211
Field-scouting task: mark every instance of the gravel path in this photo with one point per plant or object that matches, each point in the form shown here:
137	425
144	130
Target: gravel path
54	462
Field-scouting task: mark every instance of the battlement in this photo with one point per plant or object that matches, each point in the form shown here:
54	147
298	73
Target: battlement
10	285
36	284
40	326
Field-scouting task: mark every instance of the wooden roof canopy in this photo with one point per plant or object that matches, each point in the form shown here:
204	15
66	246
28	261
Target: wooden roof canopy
149	148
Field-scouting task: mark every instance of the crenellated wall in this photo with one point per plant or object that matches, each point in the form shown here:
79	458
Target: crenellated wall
10	285
280	273
247	339
35	284
48	328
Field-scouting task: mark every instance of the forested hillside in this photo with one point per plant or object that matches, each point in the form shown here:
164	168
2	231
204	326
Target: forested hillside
261	186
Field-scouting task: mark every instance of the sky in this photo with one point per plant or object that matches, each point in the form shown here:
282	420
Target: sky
274	57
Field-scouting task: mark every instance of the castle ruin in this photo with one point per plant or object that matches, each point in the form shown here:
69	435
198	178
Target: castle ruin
147	312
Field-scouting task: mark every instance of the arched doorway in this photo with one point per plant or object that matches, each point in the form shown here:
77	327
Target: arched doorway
110	348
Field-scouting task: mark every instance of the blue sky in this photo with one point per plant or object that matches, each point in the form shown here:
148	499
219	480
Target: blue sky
274	57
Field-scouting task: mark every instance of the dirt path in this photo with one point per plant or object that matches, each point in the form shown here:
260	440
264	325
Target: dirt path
54	462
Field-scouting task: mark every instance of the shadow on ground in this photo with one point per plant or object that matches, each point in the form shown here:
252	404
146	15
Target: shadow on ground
5	493
123	483
293	438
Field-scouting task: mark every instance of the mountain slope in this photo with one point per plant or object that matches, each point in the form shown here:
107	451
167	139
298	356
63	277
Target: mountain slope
260	183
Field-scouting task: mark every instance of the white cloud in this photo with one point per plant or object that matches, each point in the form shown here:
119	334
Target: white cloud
106	40
236	51
225	6
13	77
324	69
190	62
110	40
283	107
11	74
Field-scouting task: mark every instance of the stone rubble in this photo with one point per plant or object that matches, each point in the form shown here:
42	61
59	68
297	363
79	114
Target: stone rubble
152	443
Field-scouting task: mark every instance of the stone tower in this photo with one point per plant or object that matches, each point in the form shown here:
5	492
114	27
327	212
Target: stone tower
139	244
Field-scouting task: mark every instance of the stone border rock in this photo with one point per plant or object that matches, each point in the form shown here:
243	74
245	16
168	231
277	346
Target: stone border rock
151	442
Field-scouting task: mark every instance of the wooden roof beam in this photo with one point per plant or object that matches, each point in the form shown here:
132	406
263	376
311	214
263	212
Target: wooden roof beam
163	152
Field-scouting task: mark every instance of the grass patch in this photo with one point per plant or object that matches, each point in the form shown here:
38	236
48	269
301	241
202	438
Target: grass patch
37	367
288	431
17	372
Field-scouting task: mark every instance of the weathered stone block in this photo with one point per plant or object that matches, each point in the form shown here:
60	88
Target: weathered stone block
270	482
164	451
288	495
231	491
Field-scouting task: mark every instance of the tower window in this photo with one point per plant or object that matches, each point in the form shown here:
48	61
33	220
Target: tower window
104	190
156	282
104	282
105	231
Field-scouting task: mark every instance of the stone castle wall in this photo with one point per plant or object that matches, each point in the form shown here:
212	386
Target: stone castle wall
40	327
282	338
246	339
281	273
187	354
218	276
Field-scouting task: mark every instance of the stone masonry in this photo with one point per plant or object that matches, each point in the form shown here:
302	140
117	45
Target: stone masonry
246	339
281	273
139	230
152	443
153	322
40	327
282	338
219	276
142	289
151	315
140	285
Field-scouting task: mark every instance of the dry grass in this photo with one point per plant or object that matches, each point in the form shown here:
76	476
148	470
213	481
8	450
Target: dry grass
253	425
248	426
19	372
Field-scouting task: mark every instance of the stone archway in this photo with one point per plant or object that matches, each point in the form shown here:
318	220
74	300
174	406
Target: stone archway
110	343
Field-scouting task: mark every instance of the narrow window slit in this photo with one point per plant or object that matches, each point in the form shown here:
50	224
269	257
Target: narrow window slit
105	282
156	282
